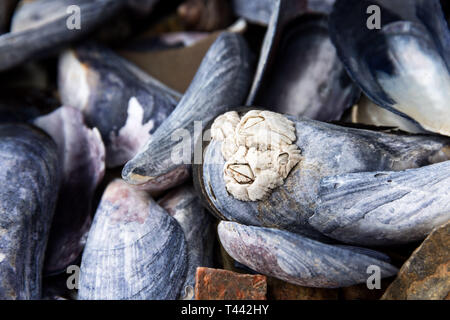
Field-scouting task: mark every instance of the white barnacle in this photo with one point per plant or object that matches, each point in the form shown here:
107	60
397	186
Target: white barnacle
265	130
259	151
223	130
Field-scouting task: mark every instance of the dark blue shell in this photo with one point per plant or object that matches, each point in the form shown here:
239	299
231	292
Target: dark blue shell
298	259
29	182
135	249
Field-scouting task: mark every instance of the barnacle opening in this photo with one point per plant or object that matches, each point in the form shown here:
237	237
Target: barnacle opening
259	151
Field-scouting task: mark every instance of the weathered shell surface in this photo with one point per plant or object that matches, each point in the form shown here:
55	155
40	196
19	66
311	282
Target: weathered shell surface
300	260
184	205
384	208
326	150
126	105
29	182
40	26
221	82
82	155
135	250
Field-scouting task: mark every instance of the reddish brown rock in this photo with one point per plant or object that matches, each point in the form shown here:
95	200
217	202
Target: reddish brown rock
426	274
281	290
217	284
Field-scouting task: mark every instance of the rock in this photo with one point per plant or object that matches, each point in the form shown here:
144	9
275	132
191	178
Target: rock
426	274
217	284
281	290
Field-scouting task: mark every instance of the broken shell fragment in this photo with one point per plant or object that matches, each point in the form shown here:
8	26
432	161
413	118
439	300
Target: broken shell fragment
134	251
384	208
326	150
221	82
82	154
403	67
29	183
299	260
184	205
125	104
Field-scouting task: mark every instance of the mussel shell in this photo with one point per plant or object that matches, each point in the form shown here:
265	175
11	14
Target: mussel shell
184	205
255	11
221	82
299	72
306	77
126	105
82	154
134	251
367	112
40	26
261	11
326	150
6	8
29	183
174	57
384	208
404	66
300	260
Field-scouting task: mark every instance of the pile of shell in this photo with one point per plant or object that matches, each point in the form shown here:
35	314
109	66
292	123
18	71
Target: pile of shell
305	140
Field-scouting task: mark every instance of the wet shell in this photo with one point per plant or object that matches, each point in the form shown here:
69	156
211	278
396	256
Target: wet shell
221	82
384	208
82	155
326	150
29	182
184	205
134	251
126	105
299	260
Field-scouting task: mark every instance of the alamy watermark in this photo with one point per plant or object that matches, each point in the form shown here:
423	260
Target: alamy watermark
73	279
73	22
374	280
374	20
